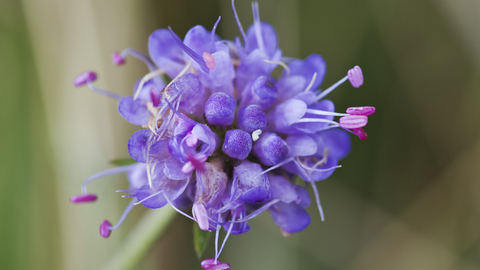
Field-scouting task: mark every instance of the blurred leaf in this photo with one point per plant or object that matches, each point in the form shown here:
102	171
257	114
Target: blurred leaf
200	239
122	161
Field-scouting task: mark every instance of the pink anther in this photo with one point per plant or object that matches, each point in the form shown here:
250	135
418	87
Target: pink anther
105	229
209	264
200	214
362	135
84	198
355	76
353	121
87	76
191	140
365	110
117	59
209	60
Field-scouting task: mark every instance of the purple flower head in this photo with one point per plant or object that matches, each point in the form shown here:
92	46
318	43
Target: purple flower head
224	137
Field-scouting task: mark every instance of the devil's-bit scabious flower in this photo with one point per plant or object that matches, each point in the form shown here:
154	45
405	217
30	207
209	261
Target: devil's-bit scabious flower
224	138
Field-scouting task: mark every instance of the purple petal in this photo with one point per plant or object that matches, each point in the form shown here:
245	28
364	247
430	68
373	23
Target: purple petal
282	189
173	169
301	145
165	52
269	35
314	63
137	177
137	145
291	218
249	185
337	141
134	111
303	197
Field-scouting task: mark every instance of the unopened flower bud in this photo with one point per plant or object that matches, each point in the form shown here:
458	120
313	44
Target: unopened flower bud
220	109
237	144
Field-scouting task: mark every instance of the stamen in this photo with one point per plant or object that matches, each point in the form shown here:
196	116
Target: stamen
258	211
317	197
276	166
140	56
283	64
149	197
239	24
105	229
355	76
362	135
212	37
365	110
178	210
117	59
317	120
257	26
83	198
190	52
228	233
320	112
145	79
83	78
191	140
116	170
125	214
199	212
311	82
209	60
104	92
216	242
353	121
316	170
331	88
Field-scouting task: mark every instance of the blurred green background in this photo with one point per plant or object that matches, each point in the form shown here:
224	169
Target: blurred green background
407	198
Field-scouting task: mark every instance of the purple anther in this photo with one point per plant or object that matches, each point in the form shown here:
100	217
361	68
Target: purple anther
209	60
105	229
362	135
365	110
83	198
237	144
355	76
353	121
200	214
117	59
85	77
209	264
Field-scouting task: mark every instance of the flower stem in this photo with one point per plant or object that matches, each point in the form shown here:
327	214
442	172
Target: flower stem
150	227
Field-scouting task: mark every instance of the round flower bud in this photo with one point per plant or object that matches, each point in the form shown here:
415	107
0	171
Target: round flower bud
220	109
237	144
251	118
270	149
261	91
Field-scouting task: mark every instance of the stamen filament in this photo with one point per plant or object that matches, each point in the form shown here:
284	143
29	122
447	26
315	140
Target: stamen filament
257	26
316	120
104	92
140	56
239	24
320	112
283	64
178	210
228	233
311	82
258	211
124	215
116	170
331	88
317	197
145	79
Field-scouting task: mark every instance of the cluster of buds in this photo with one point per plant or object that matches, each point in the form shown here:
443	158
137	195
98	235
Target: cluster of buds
223	137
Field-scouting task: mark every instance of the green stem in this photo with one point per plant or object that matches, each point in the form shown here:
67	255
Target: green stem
150	227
